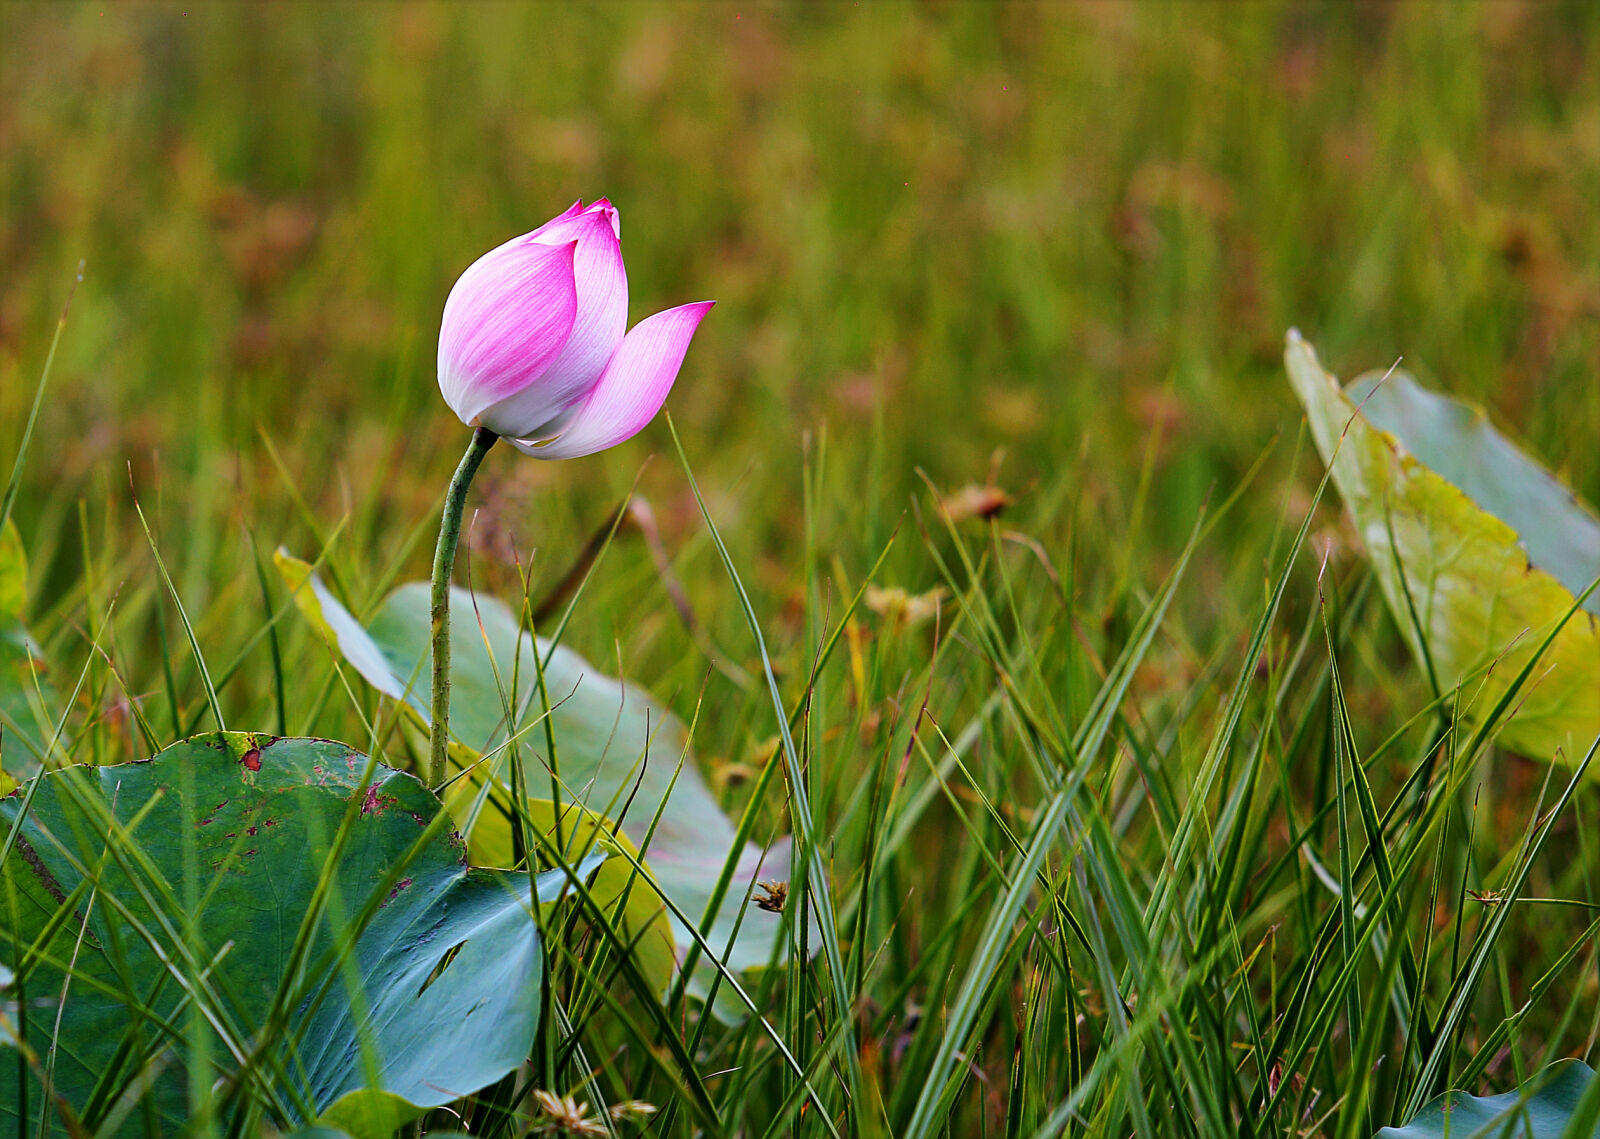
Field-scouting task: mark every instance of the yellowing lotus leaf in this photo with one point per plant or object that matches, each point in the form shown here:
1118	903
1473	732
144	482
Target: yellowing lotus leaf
28	702
13	572
1486	548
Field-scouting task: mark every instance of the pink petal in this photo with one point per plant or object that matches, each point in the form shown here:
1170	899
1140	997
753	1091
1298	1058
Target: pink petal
506	320
603	205
571	211
602	307
631	391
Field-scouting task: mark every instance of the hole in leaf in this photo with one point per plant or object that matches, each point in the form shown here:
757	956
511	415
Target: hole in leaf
444	963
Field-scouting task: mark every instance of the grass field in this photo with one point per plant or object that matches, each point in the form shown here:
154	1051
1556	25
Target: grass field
1095	842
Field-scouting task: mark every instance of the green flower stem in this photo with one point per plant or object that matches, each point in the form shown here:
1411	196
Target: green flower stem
444	561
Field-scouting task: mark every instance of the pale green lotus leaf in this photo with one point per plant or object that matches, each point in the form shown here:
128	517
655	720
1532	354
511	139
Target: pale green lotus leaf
623	759
1488	549
1557	1102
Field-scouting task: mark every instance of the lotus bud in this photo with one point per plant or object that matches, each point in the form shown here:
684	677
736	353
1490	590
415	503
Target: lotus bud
532	344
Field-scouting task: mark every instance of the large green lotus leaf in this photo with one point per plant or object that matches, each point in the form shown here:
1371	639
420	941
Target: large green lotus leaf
422	979
617	750
26	695
1544	1108
1493	549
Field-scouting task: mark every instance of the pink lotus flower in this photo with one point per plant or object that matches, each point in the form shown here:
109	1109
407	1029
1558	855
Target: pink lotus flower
532	345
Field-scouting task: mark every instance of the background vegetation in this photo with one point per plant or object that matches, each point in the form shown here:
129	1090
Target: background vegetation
1051	249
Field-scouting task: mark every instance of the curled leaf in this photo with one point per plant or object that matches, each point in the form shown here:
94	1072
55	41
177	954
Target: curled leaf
1481	553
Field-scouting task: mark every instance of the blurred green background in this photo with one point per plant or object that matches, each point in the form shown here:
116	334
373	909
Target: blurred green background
1074	232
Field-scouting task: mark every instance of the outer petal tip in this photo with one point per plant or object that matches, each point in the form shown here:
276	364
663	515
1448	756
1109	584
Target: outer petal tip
604	206
572	211
632	389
